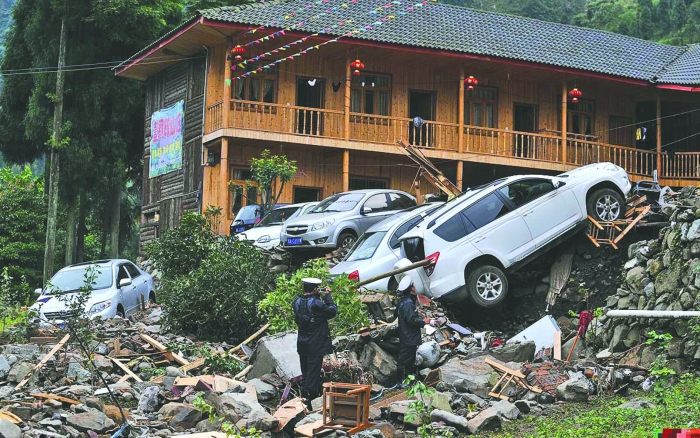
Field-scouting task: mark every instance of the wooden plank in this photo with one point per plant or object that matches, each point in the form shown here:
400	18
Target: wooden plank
185	368
557	345
116	347
43	361
9	416
41	340
503	368
287	412
160	347
308	429
250	338
632	224
245	371
129	373
70	401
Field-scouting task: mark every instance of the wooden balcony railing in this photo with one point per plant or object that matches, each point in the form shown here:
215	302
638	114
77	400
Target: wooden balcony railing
215	117
683	165
512	144
635	161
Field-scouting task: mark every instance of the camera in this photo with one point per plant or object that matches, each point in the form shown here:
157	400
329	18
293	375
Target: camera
324	290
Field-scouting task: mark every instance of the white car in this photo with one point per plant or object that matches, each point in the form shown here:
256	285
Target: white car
118	290
378	249
477	238
266	233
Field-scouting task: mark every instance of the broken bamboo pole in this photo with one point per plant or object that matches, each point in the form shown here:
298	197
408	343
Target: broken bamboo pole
653	314
394	272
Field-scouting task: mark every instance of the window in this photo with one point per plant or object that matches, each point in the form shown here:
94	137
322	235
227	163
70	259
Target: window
377	203
403	229
133	271
365	247
480	107
452	229
306	194
121	274
361	184
241	191
260	87
370	94
581	117
484	211
400	202
621	131
522	192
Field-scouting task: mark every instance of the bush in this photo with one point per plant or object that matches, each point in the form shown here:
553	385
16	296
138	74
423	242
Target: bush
211	285
277	306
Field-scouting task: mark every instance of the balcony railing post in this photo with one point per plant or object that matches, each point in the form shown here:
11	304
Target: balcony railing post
227	89
460	110
658	134
564	101
348	85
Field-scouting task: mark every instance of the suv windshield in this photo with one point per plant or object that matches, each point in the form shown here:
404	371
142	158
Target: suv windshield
249	212
277	217
340	202
366	246
74	279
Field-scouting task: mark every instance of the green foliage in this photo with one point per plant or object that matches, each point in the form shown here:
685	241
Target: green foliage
662	375
11	315
22	224
418	410
277	305
271	172
218	363
230	429
211	285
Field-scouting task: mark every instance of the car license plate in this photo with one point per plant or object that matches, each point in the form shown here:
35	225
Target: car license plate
240	229
294	241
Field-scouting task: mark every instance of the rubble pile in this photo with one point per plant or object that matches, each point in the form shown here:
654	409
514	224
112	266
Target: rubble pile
661	274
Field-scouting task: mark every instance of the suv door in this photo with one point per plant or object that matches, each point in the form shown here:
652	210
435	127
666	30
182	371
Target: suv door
138	280
548	212
381	209
495	229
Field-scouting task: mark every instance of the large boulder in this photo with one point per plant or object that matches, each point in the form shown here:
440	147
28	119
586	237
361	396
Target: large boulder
276	354
506	409
515	352
458	422
4	367
187	417
243	406
380	363
259	420
95	421
574	390
19	371
9	430
428	354
471	375
486	420
264	390
398	411
148	402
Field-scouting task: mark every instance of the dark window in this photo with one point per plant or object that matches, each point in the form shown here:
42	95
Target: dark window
452	229
484	211
122	274
481	106
377	203
133	271
362	184
400	202
403	229
522	192
241	190
306	194
370	94
260	87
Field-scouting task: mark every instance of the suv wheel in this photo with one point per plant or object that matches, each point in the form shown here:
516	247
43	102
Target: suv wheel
487	286
346	240
393	285
606	205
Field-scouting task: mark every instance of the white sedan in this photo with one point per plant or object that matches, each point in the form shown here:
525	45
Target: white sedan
266	233
477	238
377	250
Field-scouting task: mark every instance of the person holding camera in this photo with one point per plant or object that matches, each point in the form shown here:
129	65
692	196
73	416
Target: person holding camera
410	325
312	310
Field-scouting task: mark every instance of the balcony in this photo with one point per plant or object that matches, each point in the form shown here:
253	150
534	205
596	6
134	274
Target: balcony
525	149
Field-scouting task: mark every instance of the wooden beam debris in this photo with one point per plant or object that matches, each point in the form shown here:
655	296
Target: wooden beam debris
160	347
129	373
43	361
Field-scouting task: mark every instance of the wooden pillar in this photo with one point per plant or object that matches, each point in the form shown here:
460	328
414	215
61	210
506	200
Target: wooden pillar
460	111
223	184
346	170
460	171
227	91
348	84
564	101
658	135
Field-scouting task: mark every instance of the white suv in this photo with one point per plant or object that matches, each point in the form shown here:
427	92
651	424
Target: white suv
474	240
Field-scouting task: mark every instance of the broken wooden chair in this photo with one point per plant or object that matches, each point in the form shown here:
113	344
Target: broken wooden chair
508	377
610	233
345	407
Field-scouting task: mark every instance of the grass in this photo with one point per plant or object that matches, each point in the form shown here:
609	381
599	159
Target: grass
677	407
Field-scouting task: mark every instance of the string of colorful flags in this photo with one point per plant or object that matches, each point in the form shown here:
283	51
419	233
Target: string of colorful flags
350	33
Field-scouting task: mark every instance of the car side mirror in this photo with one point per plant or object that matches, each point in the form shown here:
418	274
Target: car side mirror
37	291
124	282
556	183
366	210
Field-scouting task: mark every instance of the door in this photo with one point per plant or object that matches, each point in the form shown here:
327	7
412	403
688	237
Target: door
548	212
139	281
421	104
525	119
495	229
129	294
310	94
381	209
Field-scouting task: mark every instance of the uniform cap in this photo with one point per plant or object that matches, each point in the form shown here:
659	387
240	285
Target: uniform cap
311	281
405	284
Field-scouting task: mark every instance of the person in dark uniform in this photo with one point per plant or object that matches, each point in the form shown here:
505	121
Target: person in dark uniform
311	313
410	325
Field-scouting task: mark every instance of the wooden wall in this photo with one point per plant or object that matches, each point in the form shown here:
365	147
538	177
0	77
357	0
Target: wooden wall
174	193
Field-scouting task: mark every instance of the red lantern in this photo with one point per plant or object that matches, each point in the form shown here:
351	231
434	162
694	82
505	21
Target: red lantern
357	66
238	53
471	82
575	94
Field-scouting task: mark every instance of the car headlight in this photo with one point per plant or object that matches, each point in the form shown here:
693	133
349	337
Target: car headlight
263	239
99	307
322	224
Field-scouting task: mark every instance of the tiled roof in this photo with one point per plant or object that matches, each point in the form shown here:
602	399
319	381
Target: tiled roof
685	70
457	29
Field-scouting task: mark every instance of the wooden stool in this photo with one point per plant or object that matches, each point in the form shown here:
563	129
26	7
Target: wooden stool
508	376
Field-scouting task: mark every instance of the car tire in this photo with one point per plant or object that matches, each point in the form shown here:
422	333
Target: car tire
152	298
120	312
346	240
487	286
605	205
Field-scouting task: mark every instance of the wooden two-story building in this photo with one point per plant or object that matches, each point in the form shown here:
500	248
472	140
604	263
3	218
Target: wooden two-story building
548	97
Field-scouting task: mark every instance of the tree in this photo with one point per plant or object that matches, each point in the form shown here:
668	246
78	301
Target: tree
269	171
663	16
678	15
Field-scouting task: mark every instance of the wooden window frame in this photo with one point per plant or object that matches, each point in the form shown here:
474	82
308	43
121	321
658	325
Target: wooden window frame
360	116
258	105
320	192
470	100
242	182
574	109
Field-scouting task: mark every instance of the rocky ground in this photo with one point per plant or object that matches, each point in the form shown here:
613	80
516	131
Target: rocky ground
159	380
